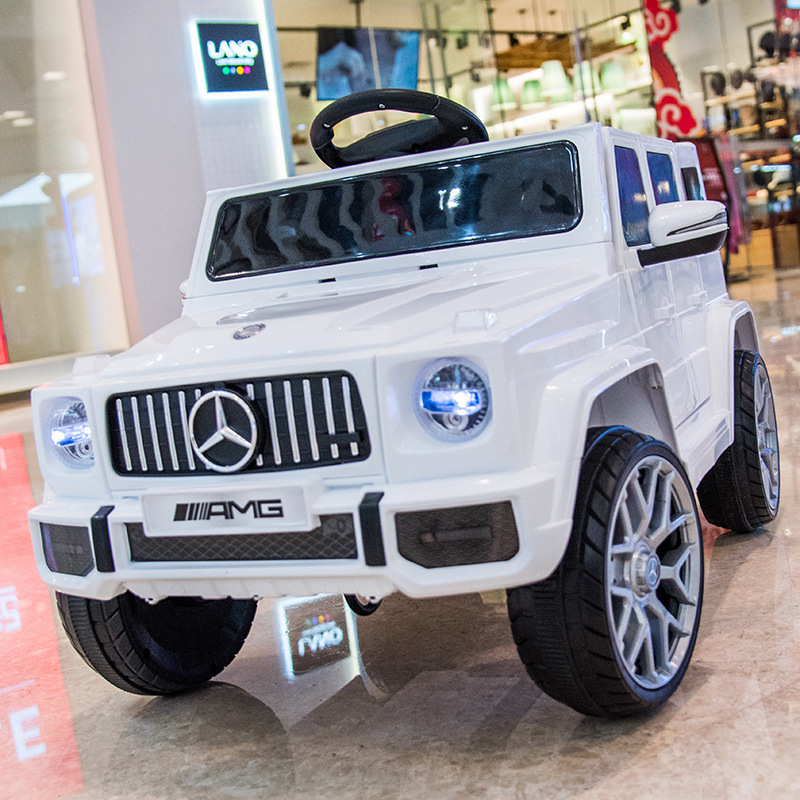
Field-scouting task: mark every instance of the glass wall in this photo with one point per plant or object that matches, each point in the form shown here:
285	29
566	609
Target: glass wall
517	65
59	285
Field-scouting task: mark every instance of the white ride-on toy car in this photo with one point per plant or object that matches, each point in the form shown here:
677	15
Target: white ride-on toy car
434	371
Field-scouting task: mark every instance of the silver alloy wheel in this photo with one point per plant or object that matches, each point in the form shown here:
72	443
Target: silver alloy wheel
653	572
767	433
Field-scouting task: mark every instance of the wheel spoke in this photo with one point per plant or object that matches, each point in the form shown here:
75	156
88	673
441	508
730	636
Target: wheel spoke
769	470
766	413
643	636
634	637
666	621
646	503
662	621
632	521
661	525
642	657
624	538
659	635
766	433
679	522
624	549
627	601
760	395
672	565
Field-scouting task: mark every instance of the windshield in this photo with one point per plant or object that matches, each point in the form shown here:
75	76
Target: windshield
516	193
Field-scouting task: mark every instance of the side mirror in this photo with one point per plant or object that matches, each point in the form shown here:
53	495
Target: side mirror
684	229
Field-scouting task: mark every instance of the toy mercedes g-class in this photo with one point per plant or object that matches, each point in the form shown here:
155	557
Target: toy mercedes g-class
449	365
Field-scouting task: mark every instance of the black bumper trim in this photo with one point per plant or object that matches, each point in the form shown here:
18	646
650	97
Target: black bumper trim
103	557
334	538
371	534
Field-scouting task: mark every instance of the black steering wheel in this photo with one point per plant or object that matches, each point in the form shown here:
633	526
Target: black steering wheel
449	125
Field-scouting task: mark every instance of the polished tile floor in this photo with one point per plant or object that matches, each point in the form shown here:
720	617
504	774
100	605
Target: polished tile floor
428	698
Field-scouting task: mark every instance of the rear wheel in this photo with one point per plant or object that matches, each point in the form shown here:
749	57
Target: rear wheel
363	605
611	632
742	490
174	645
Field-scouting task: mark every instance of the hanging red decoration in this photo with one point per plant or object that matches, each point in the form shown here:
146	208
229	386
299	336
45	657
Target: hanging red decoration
675	119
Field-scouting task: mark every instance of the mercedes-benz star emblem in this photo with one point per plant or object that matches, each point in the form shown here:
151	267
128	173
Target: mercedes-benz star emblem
224	430
653	572
249	331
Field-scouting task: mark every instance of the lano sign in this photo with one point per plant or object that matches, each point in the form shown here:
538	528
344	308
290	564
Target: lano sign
233	59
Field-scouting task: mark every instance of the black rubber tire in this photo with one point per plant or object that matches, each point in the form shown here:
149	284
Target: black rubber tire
175	645
733	494
564	626
363	607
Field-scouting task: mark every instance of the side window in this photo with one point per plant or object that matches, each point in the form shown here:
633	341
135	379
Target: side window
632	197
662	177
691	183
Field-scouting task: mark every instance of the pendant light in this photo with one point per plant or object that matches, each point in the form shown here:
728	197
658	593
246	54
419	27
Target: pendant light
531	94
555	83
612	78
502	95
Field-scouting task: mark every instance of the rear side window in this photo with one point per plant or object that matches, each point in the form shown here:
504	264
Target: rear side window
691	183
632	197
662	176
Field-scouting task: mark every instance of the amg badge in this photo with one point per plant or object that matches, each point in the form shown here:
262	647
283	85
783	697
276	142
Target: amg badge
227	509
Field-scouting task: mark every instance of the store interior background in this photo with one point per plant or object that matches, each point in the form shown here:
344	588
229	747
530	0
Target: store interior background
106	149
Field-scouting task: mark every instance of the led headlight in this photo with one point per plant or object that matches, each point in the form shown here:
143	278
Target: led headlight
69	433
453	399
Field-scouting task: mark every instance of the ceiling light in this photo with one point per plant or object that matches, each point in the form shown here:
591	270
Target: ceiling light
22	122
13	114
54	75
29	193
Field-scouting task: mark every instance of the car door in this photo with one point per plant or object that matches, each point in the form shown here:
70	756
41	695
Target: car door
688	290
633	198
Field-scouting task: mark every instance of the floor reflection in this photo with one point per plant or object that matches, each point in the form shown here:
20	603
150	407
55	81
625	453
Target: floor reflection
218	742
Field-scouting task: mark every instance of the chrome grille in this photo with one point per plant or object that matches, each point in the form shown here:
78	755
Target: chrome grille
304	420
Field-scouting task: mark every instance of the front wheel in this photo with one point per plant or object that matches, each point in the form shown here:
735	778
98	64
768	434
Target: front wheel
612	631
171	646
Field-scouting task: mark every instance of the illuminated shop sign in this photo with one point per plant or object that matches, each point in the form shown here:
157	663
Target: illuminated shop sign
232	56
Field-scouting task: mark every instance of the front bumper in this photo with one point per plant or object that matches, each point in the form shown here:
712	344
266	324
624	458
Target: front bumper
425	539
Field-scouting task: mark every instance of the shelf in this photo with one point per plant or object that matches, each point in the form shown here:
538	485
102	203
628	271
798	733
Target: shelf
731	98
544	113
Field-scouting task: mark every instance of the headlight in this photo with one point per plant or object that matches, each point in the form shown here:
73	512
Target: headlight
453	400
69	433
